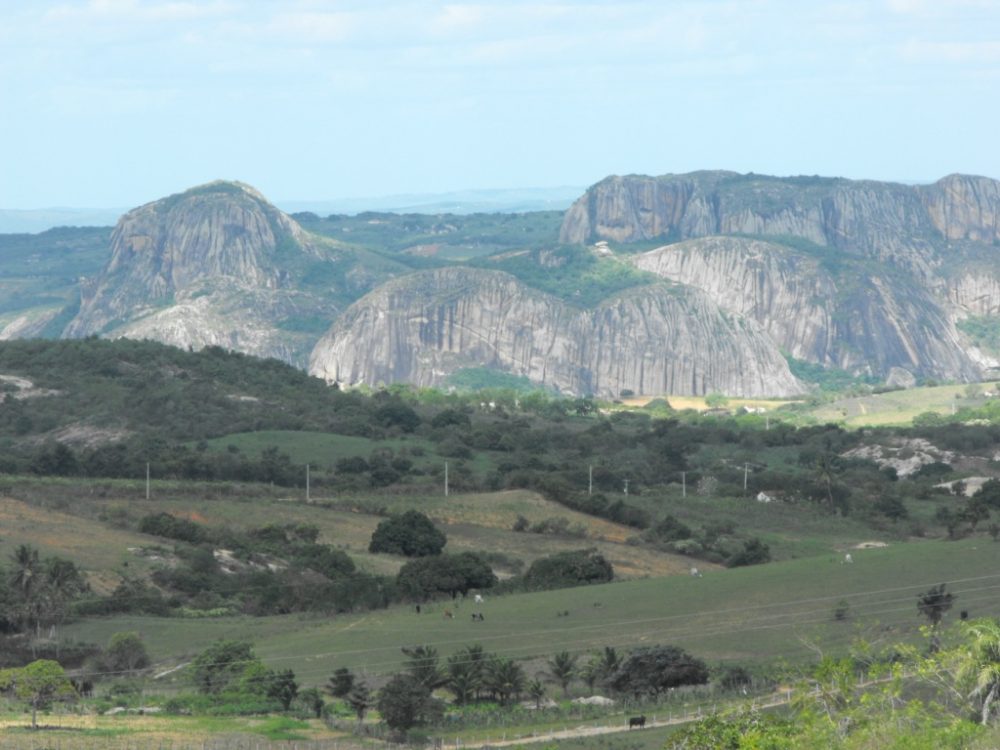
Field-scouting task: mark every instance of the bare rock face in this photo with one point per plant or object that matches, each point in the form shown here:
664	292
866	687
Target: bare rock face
964	207
654	339
865	324
903	256
208	266
788	294
872	218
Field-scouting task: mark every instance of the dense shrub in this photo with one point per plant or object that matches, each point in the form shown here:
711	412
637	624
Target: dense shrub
411	534
446	574
574	568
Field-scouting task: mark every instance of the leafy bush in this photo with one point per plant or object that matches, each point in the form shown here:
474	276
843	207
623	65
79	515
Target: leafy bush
446	574
411	534
574	568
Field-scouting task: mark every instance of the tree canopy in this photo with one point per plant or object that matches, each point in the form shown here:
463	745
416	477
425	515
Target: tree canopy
411	534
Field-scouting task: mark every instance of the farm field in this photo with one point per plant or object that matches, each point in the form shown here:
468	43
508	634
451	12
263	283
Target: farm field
897	407
892	408
757	615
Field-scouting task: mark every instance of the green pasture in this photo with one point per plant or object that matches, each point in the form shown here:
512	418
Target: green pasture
472	522
320	449
323	450
759	615
897	407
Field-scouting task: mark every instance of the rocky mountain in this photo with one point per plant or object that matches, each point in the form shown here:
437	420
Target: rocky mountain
680	284
868	323
867	277
218	265
653	339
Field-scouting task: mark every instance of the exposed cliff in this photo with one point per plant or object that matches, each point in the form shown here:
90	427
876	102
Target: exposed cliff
216	264
653	339
903	224
844	311
858	322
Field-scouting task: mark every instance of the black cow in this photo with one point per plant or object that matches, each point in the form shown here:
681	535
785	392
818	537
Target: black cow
637	721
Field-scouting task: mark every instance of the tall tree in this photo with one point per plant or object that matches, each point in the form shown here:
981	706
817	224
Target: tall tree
933	604
504	678
423	666
40	683
341	683
562	669
405	702
359	699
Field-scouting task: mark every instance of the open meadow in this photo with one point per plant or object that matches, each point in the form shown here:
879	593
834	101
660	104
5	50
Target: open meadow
758	615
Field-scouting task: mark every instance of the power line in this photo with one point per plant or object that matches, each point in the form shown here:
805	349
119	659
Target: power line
693	630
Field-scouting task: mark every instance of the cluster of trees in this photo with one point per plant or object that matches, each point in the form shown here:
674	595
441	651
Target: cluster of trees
715	542
944	698
472	674
177	398
282	568
275	569
36	593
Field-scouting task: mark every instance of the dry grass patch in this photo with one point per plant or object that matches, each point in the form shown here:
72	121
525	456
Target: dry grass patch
99	549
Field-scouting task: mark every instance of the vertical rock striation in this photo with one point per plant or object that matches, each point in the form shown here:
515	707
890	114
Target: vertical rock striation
655	339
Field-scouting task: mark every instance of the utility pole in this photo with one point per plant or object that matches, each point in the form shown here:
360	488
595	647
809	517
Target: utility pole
147	480
746	472
590	481
307	483
684	485
446	479
626	486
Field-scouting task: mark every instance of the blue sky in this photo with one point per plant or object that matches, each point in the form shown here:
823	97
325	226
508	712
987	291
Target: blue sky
118	102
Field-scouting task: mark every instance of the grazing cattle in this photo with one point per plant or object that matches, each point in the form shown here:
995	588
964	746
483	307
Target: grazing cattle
478	599
448	615
637	721
848	559
418	609
478	616
696	573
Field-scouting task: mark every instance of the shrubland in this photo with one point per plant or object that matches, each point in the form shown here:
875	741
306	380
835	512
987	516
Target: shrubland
732	490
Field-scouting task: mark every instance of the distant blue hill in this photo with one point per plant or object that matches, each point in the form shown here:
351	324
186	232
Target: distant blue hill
515	200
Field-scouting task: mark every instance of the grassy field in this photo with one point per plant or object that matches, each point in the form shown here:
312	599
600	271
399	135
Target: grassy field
102	551
892	408
697	403
897	407
67	728
763	615
49	514
471	522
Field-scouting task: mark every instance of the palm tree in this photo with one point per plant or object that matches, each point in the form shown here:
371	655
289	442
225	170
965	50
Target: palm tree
478	659
591	672
423	666
505	679
26	580
562	669
609	662
536	691
982	665
464	676
27	568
